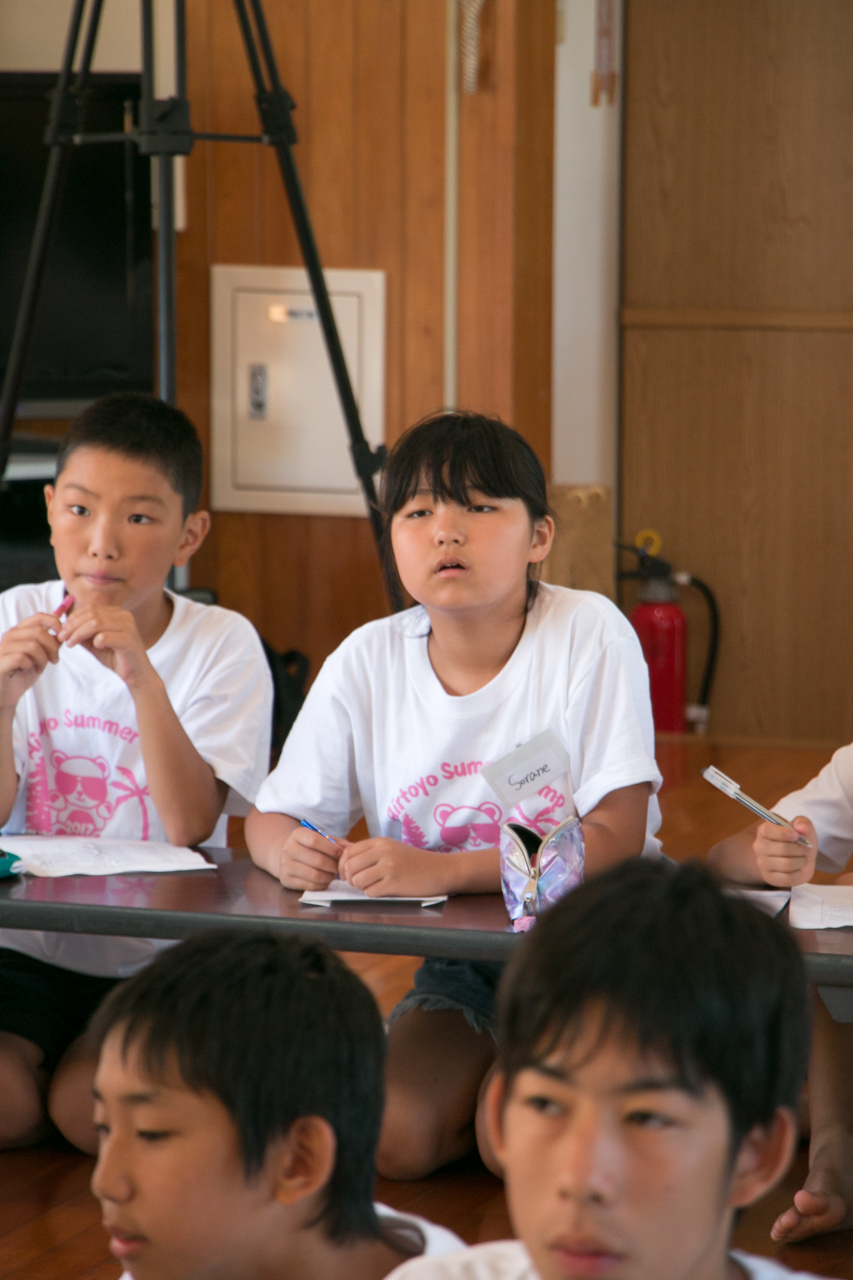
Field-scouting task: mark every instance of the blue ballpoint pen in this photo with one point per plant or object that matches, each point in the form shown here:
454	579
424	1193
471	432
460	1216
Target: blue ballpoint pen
311	827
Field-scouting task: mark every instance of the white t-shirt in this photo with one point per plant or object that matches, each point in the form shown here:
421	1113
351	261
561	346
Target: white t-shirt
428	1238
77	752
828	801
509	1260
379	737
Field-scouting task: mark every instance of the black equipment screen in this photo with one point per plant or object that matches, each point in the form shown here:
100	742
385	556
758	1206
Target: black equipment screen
94	328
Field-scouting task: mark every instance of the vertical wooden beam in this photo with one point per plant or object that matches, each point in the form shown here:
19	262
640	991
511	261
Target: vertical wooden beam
506	134
533	231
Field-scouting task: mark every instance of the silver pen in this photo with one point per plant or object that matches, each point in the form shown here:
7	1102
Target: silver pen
726	784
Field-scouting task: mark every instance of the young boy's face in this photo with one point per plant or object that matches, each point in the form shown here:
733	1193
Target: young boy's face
613	1170
117	527
170	1176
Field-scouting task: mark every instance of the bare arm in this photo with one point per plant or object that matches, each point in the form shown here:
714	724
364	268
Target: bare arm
187	794
616	828
734	858
767	854
8	773
25	651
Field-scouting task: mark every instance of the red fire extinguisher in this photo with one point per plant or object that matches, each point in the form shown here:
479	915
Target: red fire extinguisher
662	630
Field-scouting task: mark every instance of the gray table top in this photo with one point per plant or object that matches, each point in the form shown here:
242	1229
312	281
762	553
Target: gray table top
235	892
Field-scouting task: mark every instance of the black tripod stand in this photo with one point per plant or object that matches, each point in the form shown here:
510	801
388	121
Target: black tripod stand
164	130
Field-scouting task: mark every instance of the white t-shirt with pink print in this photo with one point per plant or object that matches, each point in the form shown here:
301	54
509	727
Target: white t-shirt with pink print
379	736
77	752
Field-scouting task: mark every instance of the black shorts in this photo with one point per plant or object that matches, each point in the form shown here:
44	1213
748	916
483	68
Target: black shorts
45	1004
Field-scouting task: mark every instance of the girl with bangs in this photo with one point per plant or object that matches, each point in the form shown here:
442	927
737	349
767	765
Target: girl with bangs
406	712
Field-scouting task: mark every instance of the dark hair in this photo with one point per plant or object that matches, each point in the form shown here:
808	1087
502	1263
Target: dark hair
277	1028
453	452
706	980
142	427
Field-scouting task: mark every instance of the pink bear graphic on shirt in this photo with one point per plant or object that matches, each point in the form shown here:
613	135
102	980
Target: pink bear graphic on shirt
79	795
464	825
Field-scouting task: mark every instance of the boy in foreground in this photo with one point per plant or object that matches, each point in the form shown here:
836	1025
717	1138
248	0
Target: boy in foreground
125	712
652	1045
238	1101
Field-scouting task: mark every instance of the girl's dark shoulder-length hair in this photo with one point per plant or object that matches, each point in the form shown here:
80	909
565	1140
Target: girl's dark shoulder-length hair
452	452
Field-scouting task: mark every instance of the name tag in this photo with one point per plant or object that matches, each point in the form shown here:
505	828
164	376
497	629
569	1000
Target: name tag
527	769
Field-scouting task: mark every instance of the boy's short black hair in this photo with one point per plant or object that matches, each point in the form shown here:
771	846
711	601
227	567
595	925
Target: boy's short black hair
705	979
453	452
142	427
277	1028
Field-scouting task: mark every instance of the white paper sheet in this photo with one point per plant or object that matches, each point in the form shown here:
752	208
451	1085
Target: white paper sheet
77	856
770	901
822	906
340	891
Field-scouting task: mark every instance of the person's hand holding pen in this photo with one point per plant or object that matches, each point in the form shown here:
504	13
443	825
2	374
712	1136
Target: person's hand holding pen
25	651
783	860
309	858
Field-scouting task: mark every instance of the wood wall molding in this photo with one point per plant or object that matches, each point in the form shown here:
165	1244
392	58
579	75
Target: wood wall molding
721	318
737	343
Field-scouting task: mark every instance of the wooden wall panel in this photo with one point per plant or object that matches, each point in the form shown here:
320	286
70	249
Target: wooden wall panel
739	154
368	80
737	370
740	453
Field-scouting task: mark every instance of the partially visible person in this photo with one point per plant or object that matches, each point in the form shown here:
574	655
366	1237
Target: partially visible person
822	813
652	1047
238	1101
405	713
126	711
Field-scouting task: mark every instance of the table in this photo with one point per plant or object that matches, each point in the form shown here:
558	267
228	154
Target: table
236	893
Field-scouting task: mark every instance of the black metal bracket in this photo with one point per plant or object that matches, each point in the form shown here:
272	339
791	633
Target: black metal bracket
164	127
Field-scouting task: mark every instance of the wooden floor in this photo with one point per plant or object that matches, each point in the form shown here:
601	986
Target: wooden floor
50	1223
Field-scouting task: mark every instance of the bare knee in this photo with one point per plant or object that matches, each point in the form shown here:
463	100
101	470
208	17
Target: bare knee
414	1140
23	1120
70	1102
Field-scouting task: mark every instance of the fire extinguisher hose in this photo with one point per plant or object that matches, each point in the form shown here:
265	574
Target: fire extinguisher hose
713	638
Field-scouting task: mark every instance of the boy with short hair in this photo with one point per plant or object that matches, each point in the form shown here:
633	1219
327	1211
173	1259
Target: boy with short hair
652	1045
125	711
238	1101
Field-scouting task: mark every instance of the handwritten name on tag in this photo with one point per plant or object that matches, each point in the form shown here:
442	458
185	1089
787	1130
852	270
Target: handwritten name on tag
527	769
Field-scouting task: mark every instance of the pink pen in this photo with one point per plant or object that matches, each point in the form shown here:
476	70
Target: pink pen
59	612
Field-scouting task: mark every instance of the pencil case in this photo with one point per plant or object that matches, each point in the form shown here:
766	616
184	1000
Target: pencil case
10	864
535	872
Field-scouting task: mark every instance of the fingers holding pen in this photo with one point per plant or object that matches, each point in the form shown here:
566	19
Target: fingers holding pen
782	858
308	860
